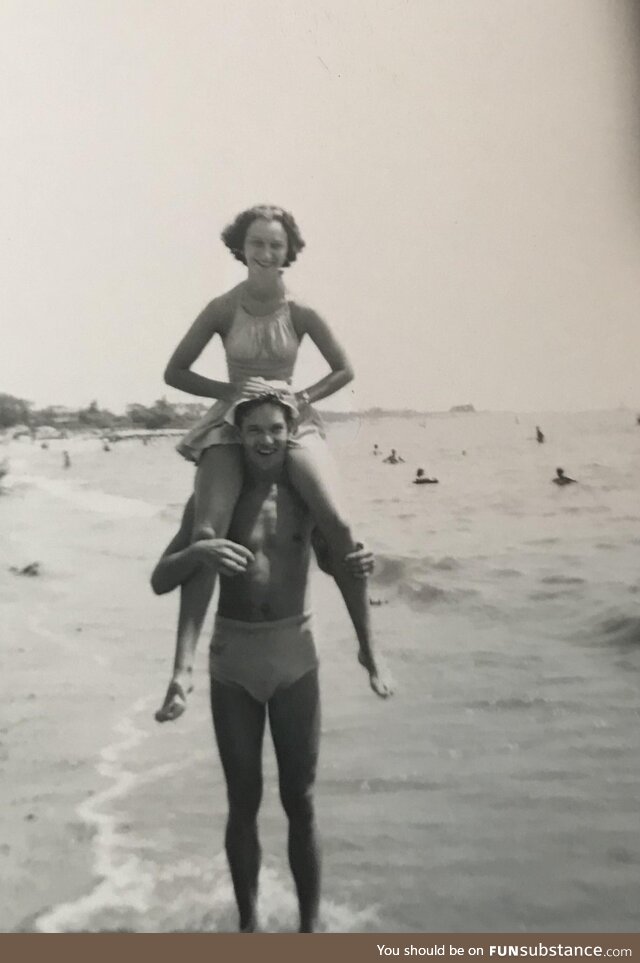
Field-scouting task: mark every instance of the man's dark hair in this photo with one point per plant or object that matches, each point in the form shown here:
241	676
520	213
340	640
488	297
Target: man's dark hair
269	398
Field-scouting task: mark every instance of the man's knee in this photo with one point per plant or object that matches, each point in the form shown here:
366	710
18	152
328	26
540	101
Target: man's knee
298	804
244	801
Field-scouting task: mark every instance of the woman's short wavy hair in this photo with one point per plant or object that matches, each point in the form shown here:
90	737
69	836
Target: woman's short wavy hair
235	233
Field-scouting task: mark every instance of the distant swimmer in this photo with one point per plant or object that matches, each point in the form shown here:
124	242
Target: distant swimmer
33	568
66	461
539	436
562	479
421	478
637	419
376	450
106	446
394	458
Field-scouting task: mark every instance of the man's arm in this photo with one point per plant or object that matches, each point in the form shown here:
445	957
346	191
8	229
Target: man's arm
181	558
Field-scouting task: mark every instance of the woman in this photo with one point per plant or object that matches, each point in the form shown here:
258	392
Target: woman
261	329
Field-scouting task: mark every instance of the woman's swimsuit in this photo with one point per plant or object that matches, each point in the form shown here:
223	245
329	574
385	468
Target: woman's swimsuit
255	347
263	658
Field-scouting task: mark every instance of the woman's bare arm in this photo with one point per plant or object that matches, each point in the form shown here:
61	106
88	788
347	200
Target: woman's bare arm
307	321
178	374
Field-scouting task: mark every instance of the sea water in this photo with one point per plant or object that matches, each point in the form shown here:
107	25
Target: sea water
498	789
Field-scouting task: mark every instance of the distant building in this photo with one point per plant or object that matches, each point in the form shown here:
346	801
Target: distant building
58	415
189	409
462	408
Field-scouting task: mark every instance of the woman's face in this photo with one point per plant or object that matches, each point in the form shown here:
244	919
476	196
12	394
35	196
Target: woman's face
265	247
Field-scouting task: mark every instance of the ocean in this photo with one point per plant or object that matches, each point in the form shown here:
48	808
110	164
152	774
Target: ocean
496	791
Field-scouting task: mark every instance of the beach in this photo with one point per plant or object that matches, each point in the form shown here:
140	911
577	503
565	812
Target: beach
496	791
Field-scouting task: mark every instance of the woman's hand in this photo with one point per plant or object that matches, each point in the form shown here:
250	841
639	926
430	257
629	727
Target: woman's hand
258	387
254	388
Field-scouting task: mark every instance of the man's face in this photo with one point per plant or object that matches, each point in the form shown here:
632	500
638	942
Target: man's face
264	434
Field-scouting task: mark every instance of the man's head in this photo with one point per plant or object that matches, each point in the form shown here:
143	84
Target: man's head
265	425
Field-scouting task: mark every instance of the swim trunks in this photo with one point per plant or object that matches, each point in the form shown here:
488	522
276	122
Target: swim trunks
263	658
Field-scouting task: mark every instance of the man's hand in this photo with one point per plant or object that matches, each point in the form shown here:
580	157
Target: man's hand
360	562
226	557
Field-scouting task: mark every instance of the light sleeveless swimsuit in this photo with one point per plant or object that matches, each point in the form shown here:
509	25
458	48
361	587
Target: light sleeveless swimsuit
255	347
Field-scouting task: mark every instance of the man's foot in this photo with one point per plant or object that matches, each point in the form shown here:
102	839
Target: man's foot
379	678
175	702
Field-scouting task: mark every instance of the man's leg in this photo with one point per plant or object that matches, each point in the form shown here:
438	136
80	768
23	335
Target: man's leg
294	716
238	721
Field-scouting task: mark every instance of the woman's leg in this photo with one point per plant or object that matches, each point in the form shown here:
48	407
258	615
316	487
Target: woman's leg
217	487
313	476
238	721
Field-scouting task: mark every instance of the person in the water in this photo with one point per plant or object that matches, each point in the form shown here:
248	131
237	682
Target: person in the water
394	458
421	478
562	479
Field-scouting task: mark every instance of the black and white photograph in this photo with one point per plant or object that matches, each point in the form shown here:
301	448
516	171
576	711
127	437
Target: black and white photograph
320	466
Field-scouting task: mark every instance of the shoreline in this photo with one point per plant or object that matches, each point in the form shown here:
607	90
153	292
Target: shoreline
63	657
47	777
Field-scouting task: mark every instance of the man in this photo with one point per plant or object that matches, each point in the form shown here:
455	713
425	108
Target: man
263	658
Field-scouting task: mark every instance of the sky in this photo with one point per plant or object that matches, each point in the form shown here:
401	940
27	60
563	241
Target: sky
465	175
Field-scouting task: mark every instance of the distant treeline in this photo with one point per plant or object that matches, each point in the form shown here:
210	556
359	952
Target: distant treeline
17	412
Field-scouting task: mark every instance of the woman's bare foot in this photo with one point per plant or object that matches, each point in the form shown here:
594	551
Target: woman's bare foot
175	701
379	678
